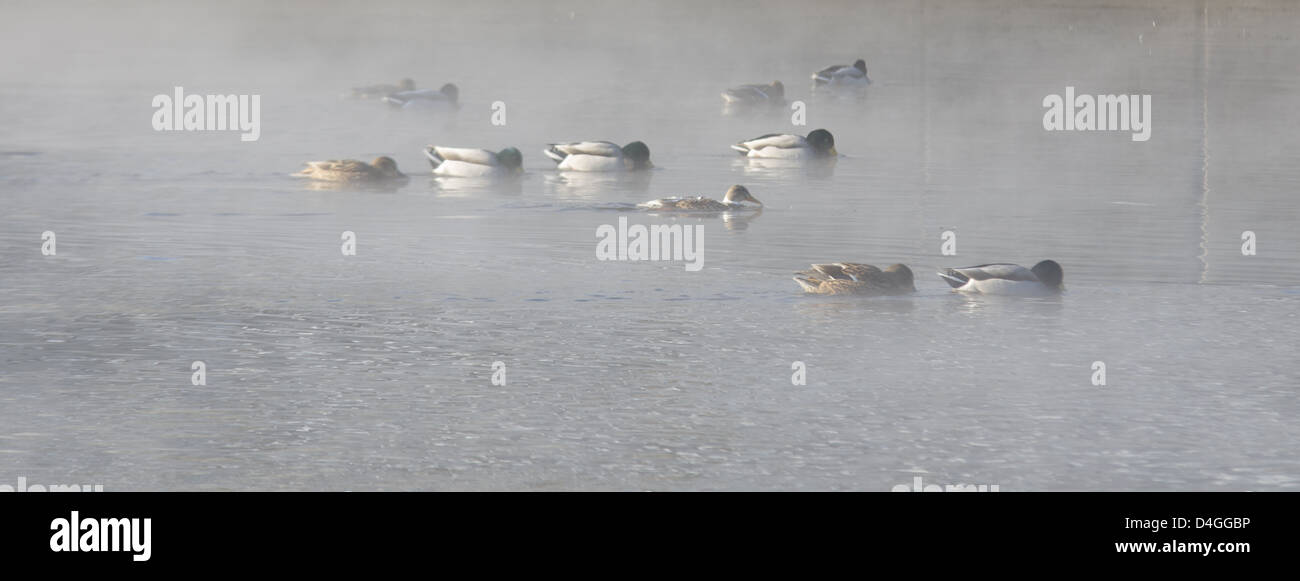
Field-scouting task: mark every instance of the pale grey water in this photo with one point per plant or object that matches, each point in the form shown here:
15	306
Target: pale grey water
372	372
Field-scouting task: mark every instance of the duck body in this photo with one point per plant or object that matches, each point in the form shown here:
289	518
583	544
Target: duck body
842	278
447	96
382	90
818	144
351	170
850	75
770	94
1045	278
737	199
469	162
599	156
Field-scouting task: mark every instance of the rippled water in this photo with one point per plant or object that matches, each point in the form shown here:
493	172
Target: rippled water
374	371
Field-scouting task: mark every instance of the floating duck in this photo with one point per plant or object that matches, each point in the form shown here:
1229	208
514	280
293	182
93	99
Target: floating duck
467	162
737	198
599	156
351	170
851	278
1044	278
773	94
819	143
855	75
448	95
380	91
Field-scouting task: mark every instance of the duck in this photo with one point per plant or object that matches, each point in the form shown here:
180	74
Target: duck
448	95
468	162
819	144
841	278
599	156
737	198
351	170
1045	278
843	75
772	94
382	90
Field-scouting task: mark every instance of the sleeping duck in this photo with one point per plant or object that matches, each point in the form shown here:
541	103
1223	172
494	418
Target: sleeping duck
1044	278
351	170
819	143
737	199
467	162
861	279
855	75
382	90
773	94
599	156
447	96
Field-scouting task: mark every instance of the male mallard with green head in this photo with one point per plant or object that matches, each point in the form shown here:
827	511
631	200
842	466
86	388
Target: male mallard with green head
599	156
468	162
819	144
1045	278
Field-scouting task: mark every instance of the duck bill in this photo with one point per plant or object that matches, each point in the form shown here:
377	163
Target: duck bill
833	152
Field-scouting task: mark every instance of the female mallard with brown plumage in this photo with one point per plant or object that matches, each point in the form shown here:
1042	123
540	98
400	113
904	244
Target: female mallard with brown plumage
737	198
861	279
351	170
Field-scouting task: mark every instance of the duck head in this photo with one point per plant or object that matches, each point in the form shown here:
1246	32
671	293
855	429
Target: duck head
511	159
902	274
777	90
387	165
738	193
1049	273
451	91
861	65
638	154
822	143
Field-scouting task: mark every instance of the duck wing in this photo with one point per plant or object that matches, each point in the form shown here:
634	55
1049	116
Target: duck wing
777	140
828	73
957	277
465	154
601	148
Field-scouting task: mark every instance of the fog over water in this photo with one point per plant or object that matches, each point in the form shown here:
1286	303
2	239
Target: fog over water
374	371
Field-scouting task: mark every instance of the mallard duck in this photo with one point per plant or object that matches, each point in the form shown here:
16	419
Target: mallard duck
773	94
599	156
380	91
852	278
734	200
351	170
1044	278
843	75
467	162
448	95
819	143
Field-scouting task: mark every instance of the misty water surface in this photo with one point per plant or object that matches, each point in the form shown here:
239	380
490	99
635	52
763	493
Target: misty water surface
373	372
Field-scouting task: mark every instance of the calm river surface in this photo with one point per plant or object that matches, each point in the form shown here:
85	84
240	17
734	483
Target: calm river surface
374	371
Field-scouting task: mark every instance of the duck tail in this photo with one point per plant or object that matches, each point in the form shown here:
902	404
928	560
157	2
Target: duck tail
953	278
808	285
741	148
434	159
552	152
